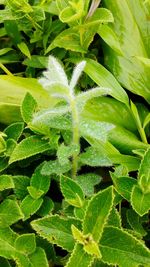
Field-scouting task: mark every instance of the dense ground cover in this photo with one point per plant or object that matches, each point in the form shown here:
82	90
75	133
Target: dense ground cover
75	131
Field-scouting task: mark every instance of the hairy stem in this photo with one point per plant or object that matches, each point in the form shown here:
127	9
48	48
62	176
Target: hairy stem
76	135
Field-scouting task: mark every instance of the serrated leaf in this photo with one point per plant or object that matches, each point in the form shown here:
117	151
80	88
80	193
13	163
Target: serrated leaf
140	201
6	182
7	240
65	152
93	157
88	181
38	258
46	207
80	256
40	182
34	192
29	206
14	130
10	213
29	147
54	167
21	183
97	213
144	173
121	248
26	243
10	146
57	230
28	107
114	218
124	185
135	222
71	191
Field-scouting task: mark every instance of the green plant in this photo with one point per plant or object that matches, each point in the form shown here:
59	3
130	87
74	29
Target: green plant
74	161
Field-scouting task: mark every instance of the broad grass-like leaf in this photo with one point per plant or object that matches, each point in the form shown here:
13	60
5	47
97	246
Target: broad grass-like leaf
97	213
129	71
10	213
98	74
109	36
28	147
72	191
140	201
57	230
121	248
10	103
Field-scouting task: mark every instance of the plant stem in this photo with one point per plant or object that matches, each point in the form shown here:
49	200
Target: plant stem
76	135
5	70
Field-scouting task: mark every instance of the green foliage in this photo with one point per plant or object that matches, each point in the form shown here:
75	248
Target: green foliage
74	161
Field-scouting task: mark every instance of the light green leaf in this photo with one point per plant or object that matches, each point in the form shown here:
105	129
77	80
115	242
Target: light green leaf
104	78
101	15
71	191
121	248
87	182
72	12
68	39
14	130
80	256
57	230
97	213
24	49
40	182
140	201
34	192
26	243
65	152
84	97
144	173
97	130
54	167
10	213
6	182
28	107
29	206
146	120
109	36
93	157
124	185
7	241
28	147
